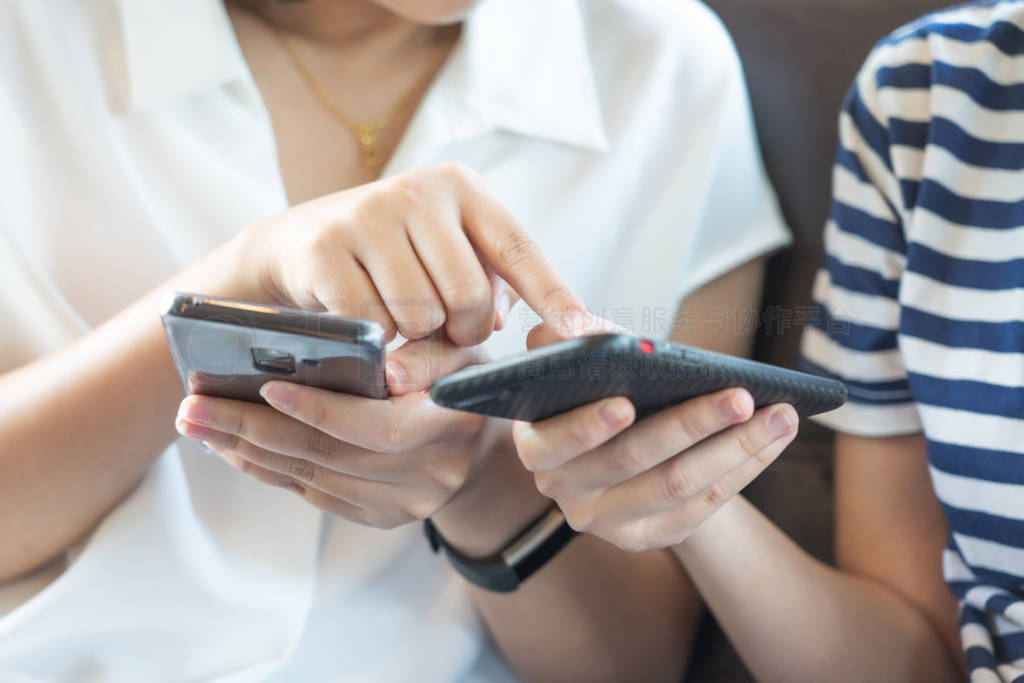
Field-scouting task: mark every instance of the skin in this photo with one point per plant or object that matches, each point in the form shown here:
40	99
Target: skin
391	462
884	613
433	236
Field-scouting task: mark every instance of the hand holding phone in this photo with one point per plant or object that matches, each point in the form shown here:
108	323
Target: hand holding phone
376	462
640	484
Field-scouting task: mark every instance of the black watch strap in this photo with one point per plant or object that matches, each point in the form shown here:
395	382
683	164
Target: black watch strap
513	564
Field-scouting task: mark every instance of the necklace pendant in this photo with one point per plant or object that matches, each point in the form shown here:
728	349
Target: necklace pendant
370	155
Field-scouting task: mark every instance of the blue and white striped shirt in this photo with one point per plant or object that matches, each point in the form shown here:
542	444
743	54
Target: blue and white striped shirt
921	299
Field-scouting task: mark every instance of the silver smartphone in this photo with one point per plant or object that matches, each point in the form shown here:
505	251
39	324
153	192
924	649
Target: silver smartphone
229	348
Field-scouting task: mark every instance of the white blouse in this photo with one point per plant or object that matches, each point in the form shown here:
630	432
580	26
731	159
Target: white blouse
134	141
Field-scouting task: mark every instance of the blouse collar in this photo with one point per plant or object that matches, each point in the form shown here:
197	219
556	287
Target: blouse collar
521	66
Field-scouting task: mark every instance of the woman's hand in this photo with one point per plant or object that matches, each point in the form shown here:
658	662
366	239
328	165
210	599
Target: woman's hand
649	484
377	462
415	252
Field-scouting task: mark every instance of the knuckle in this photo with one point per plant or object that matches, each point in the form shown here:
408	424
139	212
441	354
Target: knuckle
239	425
557	294
449	475
580	435
467	297
300	470
548	484
376	203
245	466
371	310
766	456
318	445
524	440
406	190
685	420
714	494
579	517
678	483
532	461
625	462
517	249
286	483
631	540
419	508
421	322
748	442
318	412
321	249
231	442
458	173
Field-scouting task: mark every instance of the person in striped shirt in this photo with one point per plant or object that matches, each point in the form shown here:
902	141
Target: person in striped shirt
921	313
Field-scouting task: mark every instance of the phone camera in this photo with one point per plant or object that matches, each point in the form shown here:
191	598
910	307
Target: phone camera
273	360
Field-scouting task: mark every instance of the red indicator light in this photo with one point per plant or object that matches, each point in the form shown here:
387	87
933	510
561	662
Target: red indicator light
646	346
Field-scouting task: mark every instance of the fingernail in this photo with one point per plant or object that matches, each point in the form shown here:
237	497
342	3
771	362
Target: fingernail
277	395
574	322
728	407
195	410
780	422
214	450
614	413
396	373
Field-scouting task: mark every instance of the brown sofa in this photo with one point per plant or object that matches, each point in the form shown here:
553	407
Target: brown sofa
800	57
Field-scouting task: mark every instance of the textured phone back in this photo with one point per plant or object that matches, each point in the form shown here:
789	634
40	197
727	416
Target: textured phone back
539	386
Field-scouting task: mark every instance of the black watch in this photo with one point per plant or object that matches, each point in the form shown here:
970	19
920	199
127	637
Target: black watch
513	564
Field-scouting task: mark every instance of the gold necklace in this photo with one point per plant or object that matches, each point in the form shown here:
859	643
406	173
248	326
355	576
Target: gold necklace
366	134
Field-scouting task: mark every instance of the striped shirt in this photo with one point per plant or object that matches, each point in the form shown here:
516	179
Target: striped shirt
920	303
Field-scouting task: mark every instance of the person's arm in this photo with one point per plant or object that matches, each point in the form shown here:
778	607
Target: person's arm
884	615
79	427
594	612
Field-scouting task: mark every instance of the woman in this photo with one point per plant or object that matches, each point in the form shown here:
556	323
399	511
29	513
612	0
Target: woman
144	136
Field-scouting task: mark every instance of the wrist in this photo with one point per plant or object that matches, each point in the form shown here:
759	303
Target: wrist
494	507
714	532
233	270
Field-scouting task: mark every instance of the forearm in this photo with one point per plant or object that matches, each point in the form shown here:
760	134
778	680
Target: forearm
792	618
593	612
79	427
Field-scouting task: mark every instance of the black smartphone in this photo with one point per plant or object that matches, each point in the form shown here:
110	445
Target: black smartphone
229	348
653	375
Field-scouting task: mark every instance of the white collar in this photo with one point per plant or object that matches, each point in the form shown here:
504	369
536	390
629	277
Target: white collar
522	66
175	49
